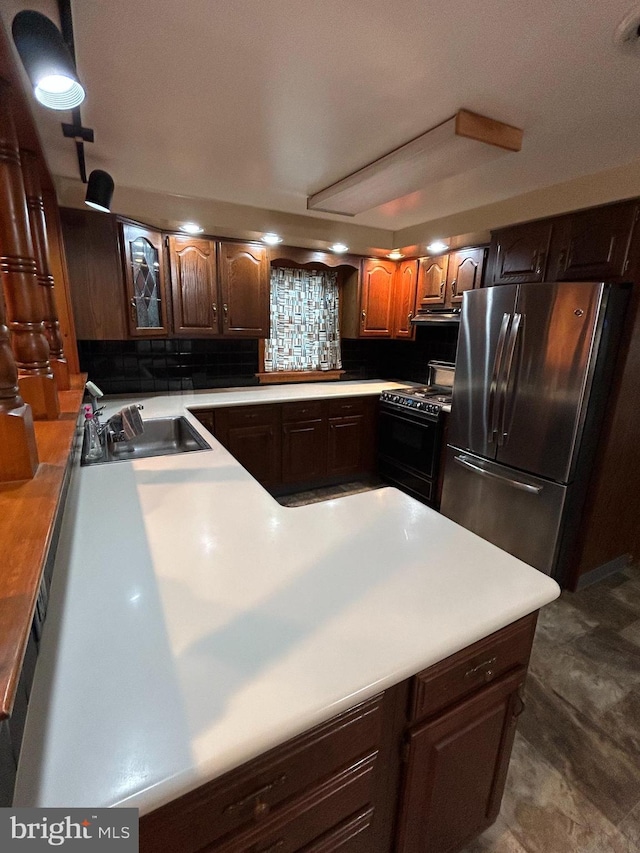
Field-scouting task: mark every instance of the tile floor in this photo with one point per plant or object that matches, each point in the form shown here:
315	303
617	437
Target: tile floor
574	778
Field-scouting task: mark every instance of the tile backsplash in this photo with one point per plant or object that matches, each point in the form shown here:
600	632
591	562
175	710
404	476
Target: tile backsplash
131	367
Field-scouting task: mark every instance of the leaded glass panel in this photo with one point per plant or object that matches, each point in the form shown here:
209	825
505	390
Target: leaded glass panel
145	265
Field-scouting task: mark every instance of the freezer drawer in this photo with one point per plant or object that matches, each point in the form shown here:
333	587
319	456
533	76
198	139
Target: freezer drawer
517	512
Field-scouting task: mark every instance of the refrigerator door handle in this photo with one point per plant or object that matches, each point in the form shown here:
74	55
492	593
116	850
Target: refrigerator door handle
492	408
511	349
517	484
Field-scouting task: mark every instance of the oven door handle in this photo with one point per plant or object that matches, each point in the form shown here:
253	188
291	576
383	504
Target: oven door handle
517	484
421	419
493	410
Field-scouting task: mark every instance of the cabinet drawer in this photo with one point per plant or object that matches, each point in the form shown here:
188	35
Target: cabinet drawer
347	406
305	410
245	797
236	416
463	673
323	819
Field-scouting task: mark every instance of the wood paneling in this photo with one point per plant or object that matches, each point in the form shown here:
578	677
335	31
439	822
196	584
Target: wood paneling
244	289
58	261
193	286
95	274
27	516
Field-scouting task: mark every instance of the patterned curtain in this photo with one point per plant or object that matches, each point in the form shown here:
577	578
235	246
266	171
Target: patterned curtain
305	324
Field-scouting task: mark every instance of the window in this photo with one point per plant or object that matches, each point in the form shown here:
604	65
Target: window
305	325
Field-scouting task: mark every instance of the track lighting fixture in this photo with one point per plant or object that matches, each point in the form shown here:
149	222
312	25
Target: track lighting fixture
47	61
100	190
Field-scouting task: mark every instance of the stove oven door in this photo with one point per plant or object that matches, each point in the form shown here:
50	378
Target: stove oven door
408	450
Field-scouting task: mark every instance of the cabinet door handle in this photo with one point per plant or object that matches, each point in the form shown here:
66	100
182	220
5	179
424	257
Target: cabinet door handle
225	311
255	795
540	263
453	287
484	668
562	260
442	286
134	312
364	316
214	308
409	316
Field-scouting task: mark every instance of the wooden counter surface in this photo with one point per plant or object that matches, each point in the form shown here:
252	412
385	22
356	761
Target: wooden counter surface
28	511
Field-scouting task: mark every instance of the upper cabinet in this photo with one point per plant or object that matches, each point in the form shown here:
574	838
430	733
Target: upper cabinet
145	282
376	299
406	280
193	286
590	245
464	273
519	254
432	281
244	276
443	280
593	244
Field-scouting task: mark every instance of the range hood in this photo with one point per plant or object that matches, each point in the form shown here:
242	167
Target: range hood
444	316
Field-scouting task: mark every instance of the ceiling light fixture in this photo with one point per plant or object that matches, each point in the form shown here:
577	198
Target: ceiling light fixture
47	61
461	143
100	190
271	239
339	248
437	247
395	255
191	228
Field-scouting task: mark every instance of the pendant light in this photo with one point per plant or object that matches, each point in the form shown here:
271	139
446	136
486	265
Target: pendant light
100	190
47	61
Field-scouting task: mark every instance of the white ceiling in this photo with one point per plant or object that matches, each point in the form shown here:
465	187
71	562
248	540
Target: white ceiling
263	102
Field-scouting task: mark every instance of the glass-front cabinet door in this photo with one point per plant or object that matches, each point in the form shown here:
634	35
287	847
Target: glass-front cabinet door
145	280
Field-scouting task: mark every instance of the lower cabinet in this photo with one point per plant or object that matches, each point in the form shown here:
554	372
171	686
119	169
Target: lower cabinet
252	435
419	768
298	444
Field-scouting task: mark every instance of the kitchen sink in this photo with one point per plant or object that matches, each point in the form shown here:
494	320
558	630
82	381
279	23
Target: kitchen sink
161	437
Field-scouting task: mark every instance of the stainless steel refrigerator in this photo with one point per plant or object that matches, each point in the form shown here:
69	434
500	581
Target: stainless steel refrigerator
533	371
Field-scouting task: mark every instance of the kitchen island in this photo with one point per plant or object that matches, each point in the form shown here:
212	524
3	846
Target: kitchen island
196	624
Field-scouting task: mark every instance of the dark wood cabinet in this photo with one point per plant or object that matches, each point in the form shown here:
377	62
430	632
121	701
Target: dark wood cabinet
301	444
406	282
456	769
145	282
244	275
193	286
344	786
519	254
464	273
432	281
304	442
252	435
95	274
593	245
376	299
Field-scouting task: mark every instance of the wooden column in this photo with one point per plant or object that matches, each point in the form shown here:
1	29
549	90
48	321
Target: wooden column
23	294
38	226
18	452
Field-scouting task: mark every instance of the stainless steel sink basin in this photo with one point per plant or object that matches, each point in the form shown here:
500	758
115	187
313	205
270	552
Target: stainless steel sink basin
161	437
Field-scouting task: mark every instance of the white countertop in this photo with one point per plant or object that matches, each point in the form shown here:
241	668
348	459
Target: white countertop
195	623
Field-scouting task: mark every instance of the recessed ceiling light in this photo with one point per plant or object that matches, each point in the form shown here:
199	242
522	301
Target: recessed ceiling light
191	228
340	248
271	238
436	247
395	255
